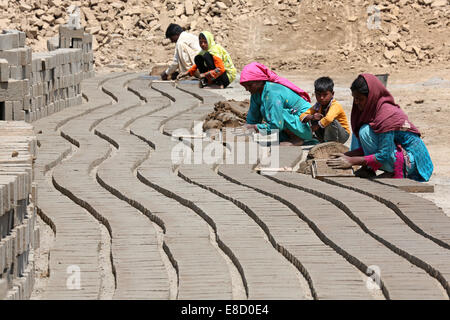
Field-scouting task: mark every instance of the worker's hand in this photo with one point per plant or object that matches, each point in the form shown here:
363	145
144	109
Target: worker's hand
249	126
307	118
339	161
164	76
317	116
182	75
208	76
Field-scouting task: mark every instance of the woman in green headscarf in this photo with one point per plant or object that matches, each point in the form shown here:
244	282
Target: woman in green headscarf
213	62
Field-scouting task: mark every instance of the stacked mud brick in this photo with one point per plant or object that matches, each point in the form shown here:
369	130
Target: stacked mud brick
15	72
19	236
55	82
70	38
36	85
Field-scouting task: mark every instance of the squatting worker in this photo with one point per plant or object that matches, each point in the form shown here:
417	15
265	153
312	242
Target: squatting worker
386	139
278	102
213	63
185	50
327	117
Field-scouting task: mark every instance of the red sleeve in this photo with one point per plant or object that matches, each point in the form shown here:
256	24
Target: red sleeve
192	70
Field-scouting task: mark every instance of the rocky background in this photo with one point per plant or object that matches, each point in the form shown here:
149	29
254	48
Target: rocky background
285	34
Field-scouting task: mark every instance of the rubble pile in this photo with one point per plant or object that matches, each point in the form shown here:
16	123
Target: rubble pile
229	113
286	34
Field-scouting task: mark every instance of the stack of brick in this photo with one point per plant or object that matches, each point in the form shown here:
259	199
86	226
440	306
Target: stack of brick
19	236
15	72
36	85
78	39
55	82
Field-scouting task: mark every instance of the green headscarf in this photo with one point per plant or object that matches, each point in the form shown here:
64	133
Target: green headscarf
218	51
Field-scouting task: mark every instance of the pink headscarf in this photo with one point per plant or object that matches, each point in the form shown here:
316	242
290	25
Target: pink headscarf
381	112
258	72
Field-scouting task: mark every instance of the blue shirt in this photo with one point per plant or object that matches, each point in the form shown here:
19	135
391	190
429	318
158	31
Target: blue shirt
280	108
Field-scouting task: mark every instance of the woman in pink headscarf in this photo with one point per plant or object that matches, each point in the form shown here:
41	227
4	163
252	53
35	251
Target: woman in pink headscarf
277	102
388	140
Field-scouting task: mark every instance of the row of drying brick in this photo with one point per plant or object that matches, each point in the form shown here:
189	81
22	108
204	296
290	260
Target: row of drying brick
186	232
397	264
73	226
138	269
264	272
323	281
395	269
19	235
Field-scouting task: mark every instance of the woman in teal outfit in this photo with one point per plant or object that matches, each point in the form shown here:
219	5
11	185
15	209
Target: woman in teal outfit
385	139
278	102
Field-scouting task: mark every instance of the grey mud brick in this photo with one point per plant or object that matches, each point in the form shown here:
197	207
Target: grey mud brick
3	288
16	73
320	169
17	57
13	90
8	111
67	32
21	34
36	238
9	41
53	43
289	156
4	70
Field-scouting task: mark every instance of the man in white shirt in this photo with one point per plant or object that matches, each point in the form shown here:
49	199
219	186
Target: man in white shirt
187	47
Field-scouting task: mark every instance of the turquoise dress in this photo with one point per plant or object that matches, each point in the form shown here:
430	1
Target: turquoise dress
280	108
383	146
